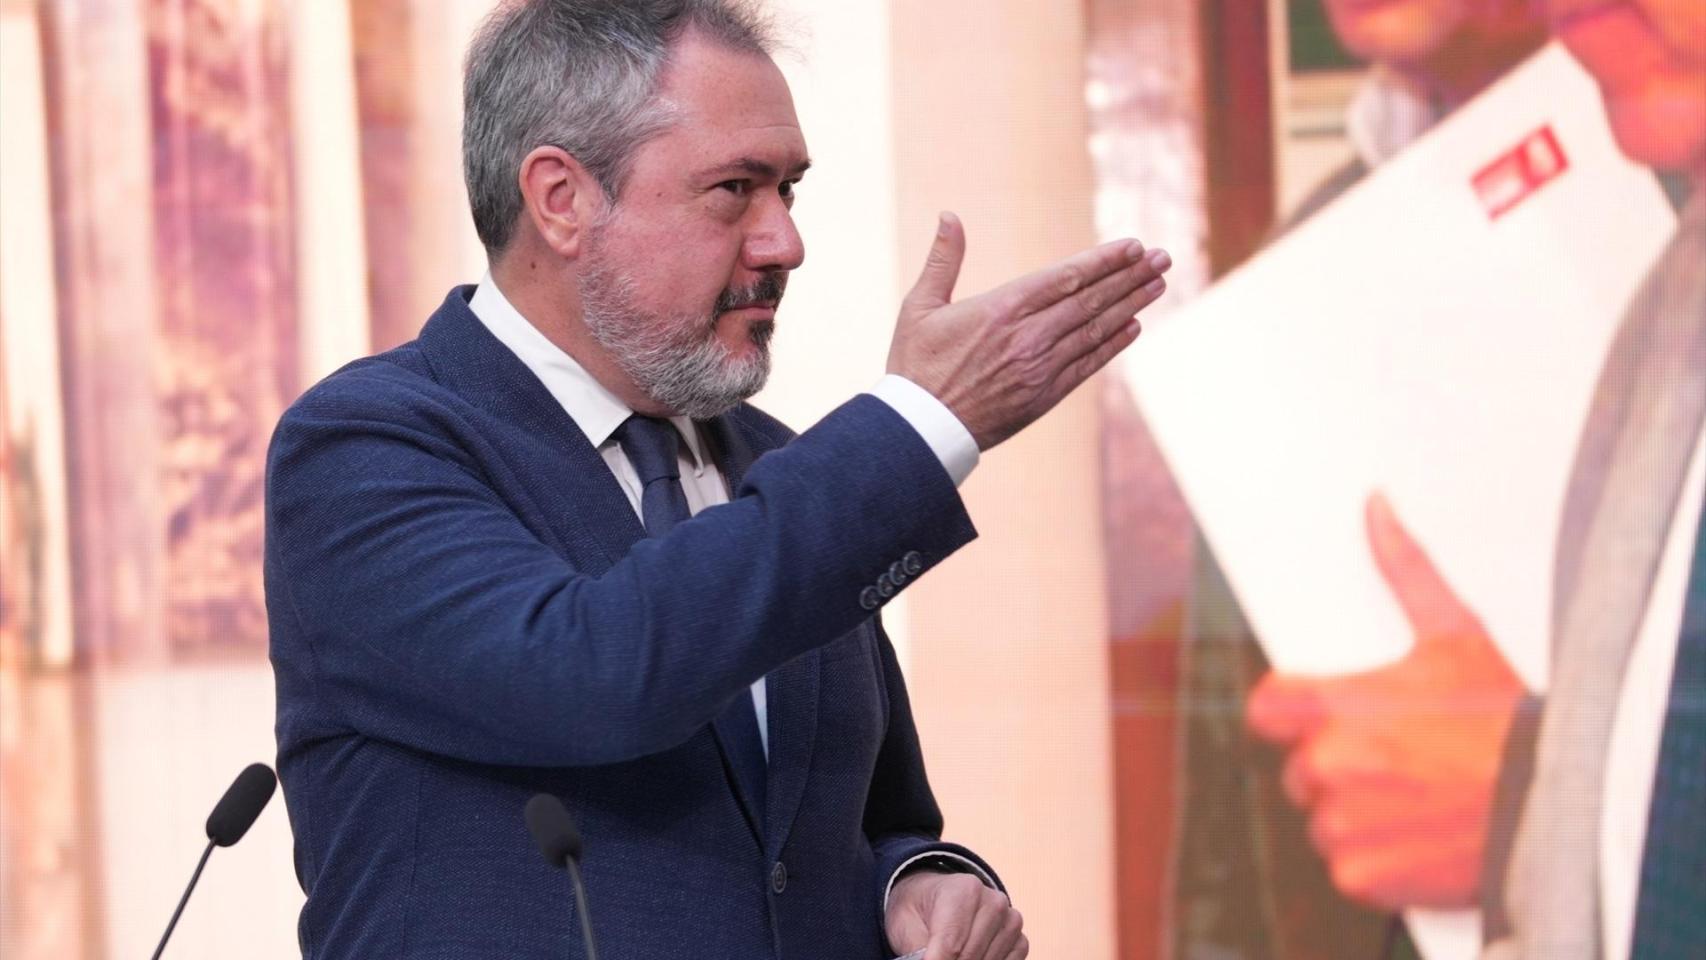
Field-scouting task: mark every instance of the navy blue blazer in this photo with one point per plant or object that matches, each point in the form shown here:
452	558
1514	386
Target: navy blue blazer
465	611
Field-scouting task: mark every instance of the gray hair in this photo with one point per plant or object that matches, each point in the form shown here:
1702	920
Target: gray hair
580	75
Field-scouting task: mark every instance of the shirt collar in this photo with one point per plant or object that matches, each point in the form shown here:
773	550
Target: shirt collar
593	408
1387	113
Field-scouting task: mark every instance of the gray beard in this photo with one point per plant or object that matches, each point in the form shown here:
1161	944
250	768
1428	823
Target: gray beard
676	360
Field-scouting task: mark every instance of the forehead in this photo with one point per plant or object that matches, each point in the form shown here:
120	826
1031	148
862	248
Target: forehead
728	104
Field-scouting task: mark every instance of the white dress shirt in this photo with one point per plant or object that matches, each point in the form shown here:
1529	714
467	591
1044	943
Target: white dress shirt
598	412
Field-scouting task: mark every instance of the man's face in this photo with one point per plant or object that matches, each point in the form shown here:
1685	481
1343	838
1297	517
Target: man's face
1649	57
1410	33
681	282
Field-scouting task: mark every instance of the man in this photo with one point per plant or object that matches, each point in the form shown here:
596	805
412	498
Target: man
1587	840
1246	881
486	578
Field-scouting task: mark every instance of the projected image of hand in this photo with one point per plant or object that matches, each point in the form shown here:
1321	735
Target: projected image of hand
1396	766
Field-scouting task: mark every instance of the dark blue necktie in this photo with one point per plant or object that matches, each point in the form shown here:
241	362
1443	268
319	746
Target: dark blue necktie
653	447
1670	913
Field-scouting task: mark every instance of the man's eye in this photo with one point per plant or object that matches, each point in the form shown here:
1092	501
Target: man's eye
786	188
736	187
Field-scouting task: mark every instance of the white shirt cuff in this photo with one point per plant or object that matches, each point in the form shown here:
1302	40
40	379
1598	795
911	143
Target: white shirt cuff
955	860
947	436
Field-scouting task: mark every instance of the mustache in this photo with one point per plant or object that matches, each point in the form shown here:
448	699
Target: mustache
766	290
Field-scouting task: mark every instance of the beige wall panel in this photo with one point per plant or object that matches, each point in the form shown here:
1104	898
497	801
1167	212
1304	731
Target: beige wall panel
154	802
48	908
445	237
1009	656
331	248
420	237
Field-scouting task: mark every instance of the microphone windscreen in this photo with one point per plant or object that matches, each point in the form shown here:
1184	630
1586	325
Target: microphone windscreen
243	801
549	822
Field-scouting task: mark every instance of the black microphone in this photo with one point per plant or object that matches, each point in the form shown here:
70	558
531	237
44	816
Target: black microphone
552	828
232	817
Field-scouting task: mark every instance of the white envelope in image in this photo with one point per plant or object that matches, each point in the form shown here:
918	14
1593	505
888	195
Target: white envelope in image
1434	334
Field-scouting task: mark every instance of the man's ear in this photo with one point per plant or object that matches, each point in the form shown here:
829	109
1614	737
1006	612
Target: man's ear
560	197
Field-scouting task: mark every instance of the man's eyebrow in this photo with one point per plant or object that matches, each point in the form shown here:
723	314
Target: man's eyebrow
760	168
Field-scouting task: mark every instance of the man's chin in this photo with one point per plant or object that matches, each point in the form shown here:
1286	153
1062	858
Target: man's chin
745	325
760	333
739	380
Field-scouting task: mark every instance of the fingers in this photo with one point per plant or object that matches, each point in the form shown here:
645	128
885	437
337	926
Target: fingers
935	286
1009	942
985	925
1085	337
907	933
1339	766
1300	779
1285	709
1427	600
1078	370
952	917
1421	871
1376	813
969	921
1083	346
1036	292
1077	320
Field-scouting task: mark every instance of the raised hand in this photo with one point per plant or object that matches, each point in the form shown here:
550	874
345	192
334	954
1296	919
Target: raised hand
1003	358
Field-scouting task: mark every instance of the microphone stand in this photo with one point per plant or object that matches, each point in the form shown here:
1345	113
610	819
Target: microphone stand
580	908
183	900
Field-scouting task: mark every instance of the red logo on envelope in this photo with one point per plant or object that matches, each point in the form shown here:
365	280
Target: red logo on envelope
1519	172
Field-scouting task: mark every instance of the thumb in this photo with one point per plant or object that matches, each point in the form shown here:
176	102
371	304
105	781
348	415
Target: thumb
935	286
1427	600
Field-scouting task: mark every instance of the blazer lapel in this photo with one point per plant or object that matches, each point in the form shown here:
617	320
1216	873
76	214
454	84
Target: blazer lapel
791	690
468	359
792	722
726	745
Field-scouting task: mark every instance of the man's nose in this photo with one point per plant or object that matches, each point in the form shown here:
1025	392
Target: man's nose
773	243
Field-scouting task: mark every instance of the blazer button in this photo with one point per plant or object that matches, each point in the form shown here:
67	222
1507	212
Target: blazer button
778	877
869	599
897	572
885	586
912	563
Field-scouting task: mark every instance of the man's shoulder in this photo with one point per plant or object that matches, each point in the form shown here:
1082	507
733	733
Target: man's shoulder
400	377
760	429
